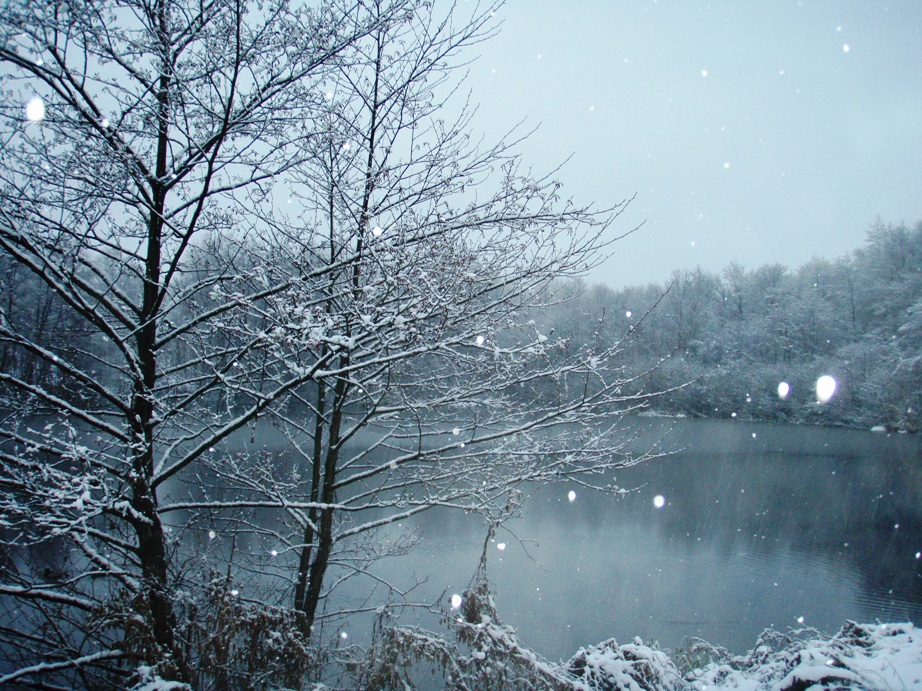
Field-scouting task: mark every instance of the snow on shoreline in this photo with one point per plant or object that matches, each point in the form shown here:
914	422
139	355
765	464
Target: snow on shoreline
862	656
876	657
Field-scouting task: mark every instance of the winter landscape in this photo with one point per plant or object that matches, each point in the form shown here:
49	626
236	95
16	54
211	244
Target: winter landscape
307	383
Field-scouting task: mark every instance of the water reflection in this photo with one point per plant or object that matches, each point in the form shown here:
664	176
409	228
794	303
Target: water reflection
759	526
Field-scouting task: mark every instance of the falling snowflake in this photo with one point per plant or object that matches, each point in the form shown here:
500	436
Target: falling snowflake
211	535
480	340
571	495
659	501
456	601
35	110
501	546
783	390
825	388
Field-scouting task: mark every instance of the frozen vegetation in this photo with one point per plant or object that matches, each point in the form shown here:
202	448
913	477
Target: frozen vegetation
882	657
473	650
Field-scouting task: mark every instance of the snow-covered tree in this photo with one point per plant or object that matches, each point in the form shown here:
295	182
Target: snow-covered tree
131	132
415	261
261	221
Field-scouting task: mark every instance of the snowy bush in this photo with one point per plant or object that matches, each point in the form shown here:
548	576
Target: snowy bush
632	667
877	657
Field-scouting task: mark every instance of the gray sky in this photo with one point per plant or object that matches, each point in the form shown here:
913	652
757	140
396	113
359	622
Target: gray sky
750	131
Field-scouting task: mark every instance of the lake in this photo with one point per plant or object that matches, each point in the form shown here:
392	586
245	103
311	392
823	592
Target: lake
757	526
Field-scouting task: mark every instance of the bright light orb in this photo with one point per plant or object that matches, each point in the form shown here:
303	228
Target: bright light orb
659	501
501	546
480	340
456	601
571	495
825	388
376	231
35	110
628	314
783	390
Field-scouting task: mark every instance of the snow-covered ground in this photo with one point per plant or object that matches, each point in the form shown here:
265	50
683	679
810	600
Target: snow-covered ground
879	657
872	657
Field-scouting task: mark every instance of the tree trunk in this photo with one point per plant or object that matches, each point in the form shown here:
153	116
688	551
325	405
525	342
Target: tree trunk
151	538
310	580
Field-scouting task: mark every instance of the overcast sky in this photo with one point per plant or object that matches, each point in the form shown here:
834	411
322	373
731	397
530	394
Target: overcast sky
750	131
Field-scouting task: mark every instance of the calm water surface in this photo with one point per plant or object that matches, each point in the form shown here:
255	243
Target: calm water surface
761	526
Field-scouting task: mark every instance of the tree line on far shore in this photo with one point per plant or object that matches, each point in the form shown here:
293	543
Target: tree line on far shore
729	340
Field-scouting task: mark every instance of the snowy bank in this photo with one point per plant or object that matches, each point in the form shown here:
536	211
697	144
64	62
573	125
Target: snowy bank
861	656
487	655
881	657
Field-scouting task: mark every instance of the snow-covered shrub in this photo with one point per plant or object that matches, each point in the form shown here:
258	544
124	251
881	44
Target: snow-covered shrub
631	667
876	657
477	652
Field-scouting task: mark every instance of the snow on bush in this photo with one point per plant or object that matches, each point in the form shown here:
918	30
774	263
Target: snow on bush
877	657
632	667
487	655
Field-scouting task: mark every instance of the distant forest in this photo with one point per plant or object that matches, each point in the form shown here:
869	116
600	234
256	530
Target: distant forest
732	338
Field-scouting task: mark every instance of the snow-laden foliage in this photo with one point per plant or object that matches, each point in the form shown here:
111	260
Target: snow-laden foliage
631	667
873	657
486	655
